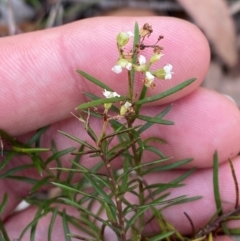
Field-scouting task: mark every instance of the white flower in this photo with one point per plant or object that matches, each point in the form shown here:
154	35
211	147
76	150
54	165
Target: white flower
167	68
110	94
123	38
124	108
149	76
130	34
149	80
129	66
122	63
156	57
127	104
117	69
142	60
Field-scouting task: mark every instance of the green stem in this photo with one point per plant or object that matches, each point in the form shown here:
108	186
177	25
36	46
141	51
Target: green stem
130	87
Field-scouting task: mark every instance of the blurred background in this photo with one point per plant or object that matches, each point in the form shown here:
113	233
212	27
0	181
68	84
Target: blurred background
218	19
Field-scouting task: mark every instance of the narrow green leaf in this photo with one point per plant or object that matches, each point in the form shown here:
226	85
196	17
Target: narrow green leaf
29	150
155	151
173	182
99	189
4	203
77	140
40	184
111	213
81	153
170	166
134	60
166	93
141	97
235	183
65	226
81	208
36	137
59	154
24	179
16	169
65	187
3	231
94	80
159	116
52	221
81	237
161	201
217	196
77	160
33	226
37	162
6	160
133	219
155	140
140	166
124	178
154	120
122	131
100	102
161	236
7	137
164	185
182	199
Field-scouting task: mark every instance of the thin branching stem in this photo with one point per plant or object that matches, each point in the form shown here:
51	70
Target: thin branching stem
117	198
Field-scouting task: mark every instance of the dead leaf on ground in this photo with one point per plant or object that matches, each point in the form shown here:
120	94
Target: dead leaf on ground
214	18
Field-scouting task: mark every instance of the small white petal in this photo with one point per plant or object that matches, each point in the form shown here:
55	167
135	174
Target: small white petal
115	94
106	93
129	66
167	68
117	69
149	76
168	76
130	34
127	104
142	60
110	94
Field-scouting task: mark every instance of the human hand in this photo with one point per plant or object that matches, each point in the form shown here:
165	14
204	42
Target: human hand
39	87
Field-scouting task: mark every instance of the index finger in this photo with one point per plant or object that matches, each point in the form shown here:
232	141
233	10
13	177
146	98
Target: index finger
39	84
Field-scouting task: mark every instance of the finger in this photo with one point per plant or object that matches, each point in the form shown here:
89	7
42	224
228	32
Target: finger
39	84
201	211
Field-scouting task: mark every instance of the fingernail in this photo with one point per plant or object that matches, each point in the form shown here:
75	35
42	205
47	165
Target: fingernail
231	98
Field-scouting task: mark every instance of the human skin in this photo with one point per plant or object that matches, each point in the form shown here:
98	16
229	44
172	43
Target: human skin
39	86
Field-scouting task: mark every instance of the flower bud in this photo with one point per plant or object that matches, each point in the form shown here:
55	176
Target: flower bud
124	108
123	38
149	79
107	106
155	57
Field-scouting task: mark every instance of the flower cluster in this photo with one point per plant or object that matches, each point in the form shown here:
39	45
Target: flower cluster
142	65
124	108
125	61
